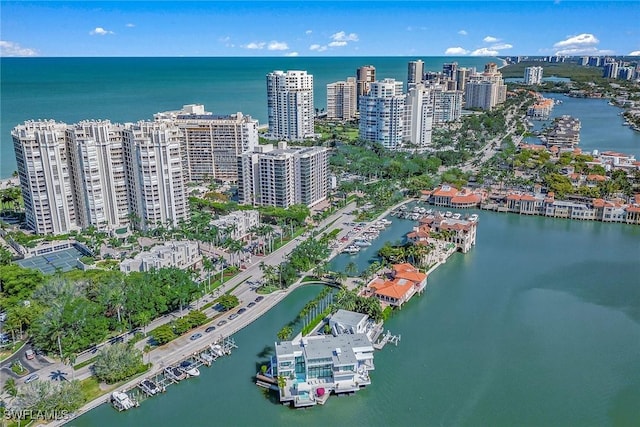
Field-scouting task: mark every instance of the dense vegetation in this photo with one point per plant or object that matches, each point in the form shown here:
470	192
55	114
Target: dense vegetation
68	313
118	362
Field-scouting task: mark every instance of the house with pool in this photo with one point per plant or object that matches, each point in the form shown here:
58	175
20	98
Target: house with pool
310	368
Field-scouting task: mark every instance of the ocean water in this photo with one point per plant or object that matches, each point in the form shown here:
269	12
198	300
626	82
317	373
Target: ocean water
132	89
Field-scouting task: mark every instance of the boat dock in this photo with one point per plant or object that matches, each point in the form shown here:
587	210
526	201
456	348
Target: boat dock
387	338
183	369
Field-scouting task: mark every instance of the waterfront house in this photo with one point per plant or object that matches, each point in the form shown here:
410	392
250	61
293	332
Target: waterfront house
399	286
459	232
450	197
312	367
350	322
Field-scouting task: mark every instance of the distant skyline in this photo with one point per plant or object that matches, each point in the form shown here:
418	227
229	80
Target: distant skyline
319	28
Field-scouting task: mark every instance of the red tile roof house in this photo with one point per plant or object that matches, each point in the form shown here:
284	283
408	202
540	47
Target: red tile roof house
403	282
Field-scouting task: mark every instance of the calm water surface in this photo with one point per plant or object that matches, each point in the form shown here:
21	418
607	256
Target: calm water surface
539	325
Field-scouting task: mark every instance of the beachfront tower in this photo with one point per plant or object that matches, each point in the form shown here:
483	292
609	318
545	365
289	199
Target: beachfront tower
415	73
42	157
341	100
365	75
290	105
382	114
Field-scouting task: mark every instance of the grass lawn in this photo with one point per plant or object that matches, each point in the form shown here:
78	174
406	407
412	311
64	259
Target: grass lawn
8	351
85	363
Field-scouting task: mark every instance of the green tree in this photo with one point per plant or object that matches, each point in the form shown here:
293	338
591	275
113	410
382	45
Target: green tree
163	334
117	362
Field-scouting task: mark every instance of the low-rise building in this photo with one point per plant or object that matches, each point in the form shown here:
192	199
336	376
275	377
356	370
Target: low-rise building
238	224
398	286
180	254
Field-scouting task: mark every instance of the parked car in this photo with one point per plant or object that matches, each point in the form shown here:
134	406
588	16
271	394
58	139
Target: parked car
260	298
195	336
210	329
233	316
251	304
31	378
242	310
30	354
222	322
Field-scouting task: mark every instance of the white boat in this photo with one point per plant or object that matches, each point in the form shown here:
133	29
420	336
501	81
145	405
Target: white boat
362	243
403	208
385	221
216	350
122	401
189	369
207	357
473	218
416	209
456	216
414	216
448	214
351	249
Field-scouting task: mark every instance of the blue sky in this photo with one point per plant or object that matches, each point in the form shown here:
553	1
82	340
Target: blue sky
319	28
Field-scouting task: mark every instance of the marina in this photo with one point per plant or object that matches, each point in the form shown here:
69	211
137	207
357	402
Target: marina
158	383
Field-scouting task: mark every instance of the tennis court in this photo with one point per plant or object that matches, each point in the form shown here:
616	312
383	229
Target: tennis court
48	264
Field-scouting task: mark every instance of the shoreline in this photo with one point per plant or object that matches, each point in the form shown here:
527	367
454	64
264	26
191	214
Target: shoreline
270	302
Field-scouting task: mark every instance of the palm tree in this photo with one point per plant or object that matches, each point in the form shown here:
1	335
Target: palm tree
351	268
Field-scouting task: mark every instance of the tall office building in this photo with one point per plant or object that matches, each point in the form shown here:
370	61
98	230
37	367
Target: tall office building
365	75
283	176
485	90
341	100
158	193
415	72
533	75
211	143
290	105
382	114
42	157
418	119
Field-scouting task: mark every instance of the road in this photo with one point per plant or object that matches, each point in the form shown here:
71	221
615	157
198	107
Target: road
245	289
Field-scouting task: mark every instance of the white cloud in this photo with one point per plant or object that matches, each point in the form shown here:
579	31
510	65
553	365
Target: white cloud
255	45
484	51
462	32
583	39
634	53
8	48
291	54
501	46
342	36
130	25
338	43
308	32
317	47
490	39
275	45
99	31
456	51
582	44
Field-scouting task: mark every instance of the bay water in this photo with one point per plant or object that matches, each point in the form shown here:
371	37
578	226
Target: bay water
538	325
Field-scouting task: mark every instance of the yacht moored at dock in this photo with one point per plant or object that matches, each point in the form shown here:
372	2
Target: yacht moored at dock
351	249
121	401
189	369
